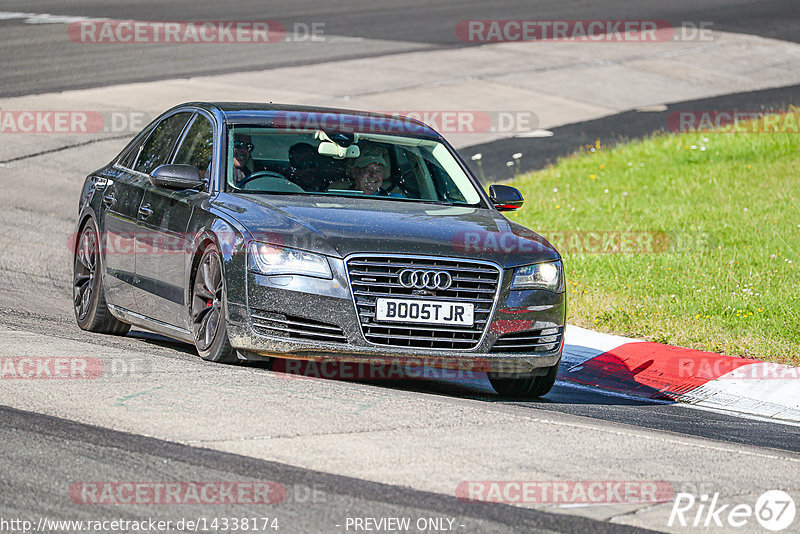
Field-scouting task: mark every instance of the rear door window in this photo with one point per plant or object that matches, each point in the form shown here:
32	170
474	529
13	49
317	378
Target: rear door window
158	147
129	157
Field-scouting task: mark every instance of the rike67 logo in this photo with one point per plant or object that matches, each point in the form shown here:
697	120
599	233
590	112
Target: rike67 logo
773	510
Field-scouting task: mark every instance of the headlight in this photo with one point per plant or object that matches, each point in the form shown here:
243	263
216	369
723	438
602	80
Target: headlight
539	276
273	259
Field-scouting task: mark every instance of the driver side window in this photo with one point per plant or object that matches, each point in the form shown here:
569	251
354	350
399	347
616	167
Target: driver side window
198	146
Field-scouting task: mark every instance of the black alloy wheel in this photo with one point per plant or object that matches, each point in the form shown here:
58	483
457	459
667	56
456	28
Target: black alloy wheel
208	310
88	299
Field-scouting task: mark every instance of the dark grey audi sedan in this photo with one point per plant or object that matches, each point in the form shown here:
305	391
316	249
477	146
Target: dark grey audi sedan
264	231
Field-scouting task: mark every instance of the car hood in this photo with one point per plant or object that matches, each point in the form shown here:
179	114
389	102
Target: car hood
340	226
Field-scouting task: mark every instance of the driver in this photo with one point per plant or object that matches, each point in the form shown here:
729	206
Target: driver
242	149
306	167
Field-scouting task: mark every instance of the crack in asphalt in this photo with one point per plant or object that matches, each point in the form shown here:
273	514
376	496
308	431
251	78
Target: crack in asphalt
62	148
348	433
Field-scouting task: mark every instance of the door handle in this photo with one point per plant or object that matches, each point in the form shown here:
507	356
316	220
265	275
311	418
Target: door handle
109	200
145	211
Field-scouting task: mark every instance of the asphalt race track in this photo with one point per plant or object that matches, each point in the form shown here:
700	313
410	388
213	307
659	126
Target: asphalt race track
33	54
315	501
33	59
375	449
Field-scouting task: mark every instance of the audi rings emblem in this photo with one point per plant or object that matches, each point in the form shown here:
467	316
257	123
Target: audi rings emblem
420	279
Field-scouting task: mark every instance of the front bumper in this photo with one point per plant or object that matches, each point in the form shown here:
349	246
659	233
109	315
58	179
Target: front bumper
298	317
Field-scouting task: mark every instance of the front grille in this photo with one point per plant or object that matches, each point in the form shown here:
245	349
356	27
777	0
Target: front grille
545	340
372	277
293	327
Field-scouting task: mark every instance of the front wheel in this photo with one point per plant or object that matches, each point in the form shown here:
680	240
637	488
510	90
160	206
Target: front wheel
524	385
88	298
208	310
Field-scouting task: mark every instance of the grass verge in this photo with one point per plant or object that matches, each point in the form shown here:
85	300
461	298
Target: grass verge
688	239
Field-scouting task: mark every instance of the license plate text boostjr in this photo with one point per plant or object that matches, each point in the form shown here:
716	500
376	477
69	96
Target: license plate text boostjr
431	312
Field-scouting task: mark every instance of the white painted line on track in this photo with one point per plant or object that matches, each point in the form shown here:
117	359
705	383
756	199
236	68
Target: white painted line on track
44	18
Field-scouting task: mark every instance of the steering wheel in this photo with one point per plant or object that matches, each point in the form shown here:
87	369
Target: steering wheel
261	174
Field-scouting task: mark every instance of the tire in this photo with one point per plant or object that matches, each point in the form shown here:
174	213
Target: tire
88	298
208	309
524	385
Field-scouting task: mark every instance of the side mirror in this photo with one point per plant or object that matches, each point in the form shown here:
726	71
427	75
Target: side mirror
177	177
505	197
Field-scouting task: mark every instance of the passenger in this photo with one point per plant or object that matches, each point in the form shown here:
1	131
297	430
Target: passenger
369	171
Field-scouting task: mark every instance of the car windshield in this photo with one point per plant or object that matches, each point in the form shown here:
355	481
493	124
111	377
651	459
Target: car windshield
265	160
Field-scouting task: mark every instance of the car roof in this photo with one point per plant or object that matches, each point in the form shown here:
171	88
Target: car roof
311	116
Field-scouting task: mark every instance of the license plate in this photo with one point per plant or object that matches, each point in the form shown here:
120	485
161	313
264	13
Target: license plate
425	311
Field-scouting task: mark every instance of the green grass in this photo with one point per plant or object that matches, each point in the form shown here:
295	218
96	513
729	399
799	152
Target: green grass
722	272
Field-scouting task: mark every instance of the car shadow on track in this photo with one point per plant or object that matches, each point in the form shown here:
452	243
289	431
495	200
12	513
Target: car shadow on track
460	384
158	340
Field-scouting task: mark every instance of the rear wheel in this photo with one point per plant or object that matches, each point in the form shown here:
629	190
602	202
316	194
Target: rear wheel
88	299
208	310
524	385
